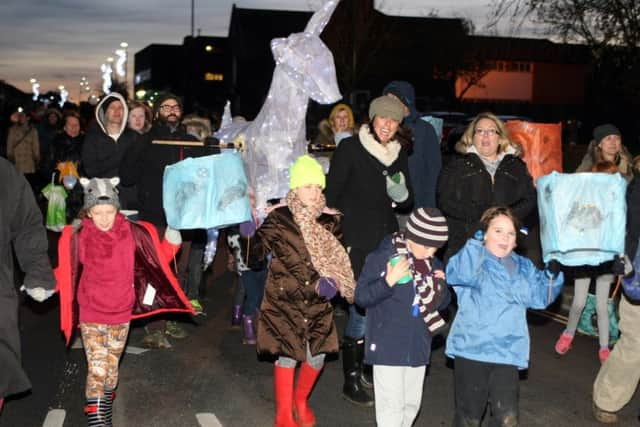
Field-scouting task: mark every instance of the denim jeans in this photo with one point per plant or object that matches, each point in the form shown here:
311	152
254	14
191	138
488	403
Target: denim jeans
253	282
356	323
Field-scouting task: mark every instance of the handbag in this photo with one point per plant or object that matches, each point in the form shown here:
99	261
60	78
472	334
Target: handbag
588	324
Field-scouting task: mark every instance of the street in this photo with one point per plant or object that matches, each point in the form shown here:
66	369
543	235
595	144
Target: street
212	379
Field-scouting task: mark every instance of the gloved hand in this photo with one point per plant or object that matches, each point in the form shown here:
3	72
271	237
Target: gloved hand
173	236
479	235
397	187
326	287
248	228
619	265
554	268
39	294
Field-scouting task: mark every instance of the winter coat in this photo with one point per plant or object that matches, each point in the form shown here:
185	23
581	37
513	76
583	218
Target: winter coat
425	159
144	163
64	148
465	191
151	266
292	314
356	186
593	156
21	232
23	148
394	336
102	154
491	322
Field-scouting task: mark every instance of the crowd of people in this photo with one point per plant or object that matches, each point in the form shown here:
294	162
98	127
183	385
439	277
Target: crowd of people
389	231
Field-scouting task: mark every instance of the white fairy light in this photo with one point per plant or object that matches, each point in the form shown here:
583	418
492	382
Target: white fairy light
106	78
64	95
35	88
120	62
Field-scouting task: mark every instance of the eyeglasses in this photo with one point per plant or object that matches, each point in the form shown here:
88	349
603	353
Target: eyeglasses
167	107
487	132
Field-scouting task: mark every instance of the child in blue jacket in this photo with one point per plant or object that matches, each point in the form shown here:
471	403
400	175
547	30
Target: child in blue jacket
489	338
402	298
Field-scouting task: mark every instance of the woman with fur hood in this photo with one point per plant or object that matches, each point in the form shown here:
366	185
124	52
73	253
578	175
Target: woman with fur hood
486	171
339	126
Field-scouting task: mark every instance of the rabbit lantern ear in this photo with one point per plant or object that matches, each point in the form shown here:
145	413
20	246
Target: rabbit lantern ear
319	19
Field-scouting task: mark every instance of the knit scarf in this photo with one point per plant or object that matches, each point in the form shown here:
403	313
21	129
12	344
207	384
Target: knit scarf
328	256
428	288
384	154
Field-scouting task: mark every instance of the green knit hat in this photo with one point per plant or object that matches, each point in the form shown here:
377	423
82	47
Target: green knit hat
306	170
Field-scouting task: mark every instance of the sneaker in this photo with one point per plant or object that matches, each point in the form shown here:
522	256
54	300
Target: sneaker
603	354
197	307
603	416
564	343
155	339
174	330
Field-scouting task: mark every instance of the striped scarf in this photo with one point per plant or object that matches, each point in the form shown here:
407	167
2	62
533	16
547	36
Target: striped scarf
428	288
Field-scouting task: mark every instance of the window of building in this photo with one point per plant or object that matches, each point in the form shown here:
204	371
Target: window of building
213	77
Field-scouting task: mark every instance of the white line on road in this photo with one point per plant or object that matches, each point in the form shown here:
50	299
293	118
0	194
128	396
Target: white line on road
55	418
208	420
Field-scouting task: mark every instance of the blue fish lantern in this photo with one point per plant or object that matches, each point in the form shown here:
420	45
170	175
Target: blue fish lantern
206	192
582	217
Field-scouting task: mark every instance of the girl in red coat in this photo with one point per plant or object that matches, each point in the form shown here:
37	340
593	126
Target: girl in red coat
98	262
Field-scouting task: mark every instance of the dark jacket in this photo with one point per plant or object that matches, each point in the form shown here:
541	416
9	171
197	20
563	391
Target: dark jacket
465	191
152	266
101	154
144	164
425	159
64	148
21	232
394	336
356	186
291	313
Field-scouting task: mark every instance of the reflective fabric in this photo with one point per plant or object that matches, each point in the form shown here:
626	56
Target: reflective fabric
206	192
582	217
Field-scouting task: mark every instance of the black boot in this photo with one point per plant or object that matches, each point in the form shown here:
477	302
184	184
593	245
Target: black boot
366	371
95	412
352	367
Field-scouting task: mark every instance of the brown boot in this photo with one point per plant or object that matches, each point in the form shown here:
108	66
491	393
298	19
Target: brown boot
603	416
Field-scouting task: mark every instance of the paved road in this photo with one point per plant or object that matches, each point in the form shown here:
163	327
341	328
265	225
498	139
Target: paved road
212	374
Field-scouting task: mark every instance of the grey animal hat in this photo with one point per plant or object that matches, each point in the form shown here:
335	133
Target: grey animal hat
428	227
100	191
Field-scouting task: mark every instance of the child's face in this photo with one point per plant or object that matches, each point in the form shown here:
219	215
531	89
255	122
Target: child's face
500	238
420	251
103	216
309	194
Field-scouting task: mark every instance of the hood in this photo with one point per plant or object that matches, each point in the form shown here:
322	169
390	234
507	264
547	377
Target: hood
513	149
406	93
100	112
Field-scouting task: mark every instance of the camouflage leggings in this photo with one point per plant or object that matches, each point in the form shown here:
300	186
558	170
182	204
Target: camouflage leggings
103	345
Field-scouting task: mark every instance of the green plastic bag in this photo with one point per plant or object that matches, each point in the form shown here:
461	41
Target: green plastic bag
56	206
588	323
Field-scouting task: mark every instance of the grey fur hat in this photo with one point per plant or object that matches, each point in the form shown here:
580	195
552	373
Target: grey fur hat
100	191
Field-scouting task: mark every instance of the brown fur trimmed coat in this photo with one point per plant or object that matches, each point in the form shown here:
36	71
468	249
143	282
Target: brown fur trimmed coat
593	156
292	313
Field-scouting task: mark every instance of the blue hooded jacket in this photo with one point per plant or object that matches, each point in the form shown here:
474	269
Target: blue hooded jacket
425	161
491	323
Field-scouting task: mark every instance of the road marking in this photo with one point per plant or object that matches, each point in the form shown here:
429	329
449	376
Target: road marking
55	418
208	420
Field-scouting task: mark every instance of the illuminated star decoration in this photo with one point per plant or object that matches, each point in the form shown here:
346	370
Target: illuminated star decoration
304	69
106	78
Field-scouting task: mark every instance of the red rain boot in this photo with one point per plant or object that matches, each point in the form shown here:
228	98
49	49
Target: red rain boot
283	381
306	379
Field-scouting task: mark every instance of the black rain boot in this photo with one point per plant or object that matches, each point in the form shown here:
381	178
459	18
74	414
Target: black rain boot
366	371
109	397
95	412
352	365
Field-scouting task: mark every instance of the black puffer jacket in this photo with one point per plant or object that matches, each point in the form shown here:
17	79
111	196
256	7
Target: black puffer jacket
465	191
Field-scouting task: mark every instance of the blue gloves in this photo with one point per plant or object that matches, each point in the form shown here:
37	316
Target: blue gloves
248	228
326	287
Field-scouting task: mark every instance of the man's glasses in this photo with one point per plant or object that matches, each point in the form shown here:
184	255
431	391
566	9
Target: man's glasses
167	107
487	132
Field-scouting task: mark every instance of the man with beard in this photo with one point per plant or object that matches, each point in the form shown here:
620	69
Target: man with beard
152	159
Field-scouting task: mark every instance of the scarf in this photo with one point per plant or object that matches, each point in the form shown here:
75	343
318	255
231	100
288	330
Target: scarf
492	165
328	256
428	288
384	154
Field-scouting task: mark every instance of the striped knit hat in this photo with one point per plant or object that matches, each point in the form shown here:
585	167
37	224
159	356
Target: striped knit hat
428	227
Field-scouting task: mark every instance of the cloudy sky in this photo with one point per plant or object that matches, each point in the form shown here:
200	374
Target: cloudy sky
59	41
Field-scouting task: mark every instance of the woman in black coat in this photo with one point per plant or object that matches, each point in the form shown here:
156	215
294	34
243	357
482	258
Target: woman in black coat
368	176
486	171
